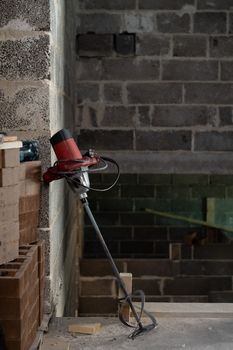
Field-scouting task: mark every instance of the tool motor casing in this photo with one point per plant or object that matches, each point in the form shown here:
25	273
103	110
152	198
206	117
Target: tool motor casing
69	157
64	146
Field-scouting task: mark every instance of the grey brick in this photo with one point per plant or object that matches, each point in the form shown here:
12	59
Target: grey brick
88	115
171	192
154	178
118	233
99	23
227	70
106	219
225	296
118	116
135	191
164	4
95	45
189	179
214	4
89	69
106	139
35	13
211	93
206	268
217	191
214	251
143	93
25	59
163	140
150	267
103	286
25	108
113	93
190	70
152	203
226	116
195	285
125	44
97	267
189	46
119	205
107	4
143	116
124	178
231	22
95	249
87	92
214	141
210	22
176	116
221	179
130	69
138	23
136	247
137	219
152	234
151	44
191	205
221	46
96	306
173	23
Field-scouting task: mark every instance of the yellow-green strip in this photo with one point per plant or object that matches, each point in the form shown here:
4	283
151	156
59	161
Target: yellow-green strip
189	220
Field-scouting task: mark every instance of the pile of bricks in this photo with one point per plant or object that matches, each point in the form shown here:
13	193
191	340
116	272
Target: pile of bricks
30	174
21	294
9	204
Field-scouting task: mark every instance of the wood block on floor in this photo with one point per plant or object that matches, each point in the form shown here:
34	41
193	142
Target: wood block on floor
84	328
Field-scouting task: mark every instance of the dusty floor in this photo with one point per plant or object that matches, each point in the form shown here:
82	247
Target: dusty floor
172	333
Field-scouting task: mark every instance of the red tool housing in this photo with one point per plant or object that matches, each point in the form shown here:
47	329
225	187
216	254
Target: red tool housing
69	157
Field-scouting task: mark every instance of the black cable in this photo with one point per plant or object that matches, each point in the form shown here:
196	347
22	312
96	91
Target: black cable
139	330
69	178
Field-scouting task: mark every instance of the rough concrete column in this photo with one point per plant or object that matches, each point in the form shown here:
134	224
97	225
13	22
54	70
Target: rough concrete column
36	100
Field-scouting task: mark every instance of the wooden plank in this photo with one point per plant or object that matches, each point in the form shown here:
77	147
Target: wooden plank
9	145
91	328
124	308
10	138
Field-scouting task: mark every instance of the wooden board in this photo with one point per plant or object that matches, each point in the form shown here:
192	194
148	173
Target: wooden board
10	138
91	328
9	145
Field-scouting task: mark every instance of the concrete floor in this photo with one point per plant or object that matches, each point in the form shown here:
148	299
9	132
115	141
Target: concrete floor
172	333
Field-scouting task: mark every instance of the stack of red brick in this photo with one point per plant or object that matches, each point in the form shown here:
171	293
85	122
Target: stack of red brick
22	257
9	204
21	295
29	201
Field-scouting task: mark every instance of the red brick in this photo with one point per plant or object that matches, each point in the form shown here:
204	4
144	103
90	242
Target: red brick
14	282
9	213
17	344
9	176
9	195
9	158
27	235
29	204
13	308
8	249
15	329
29	219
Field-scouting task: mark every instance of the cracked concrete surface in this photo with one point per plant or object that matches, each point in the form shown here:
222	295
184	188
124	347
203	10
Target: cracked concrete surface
171	334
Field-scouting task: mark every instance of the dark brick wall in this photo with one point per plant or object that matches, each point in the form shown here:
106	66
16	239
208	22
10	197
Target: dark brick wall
156	76
129	231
